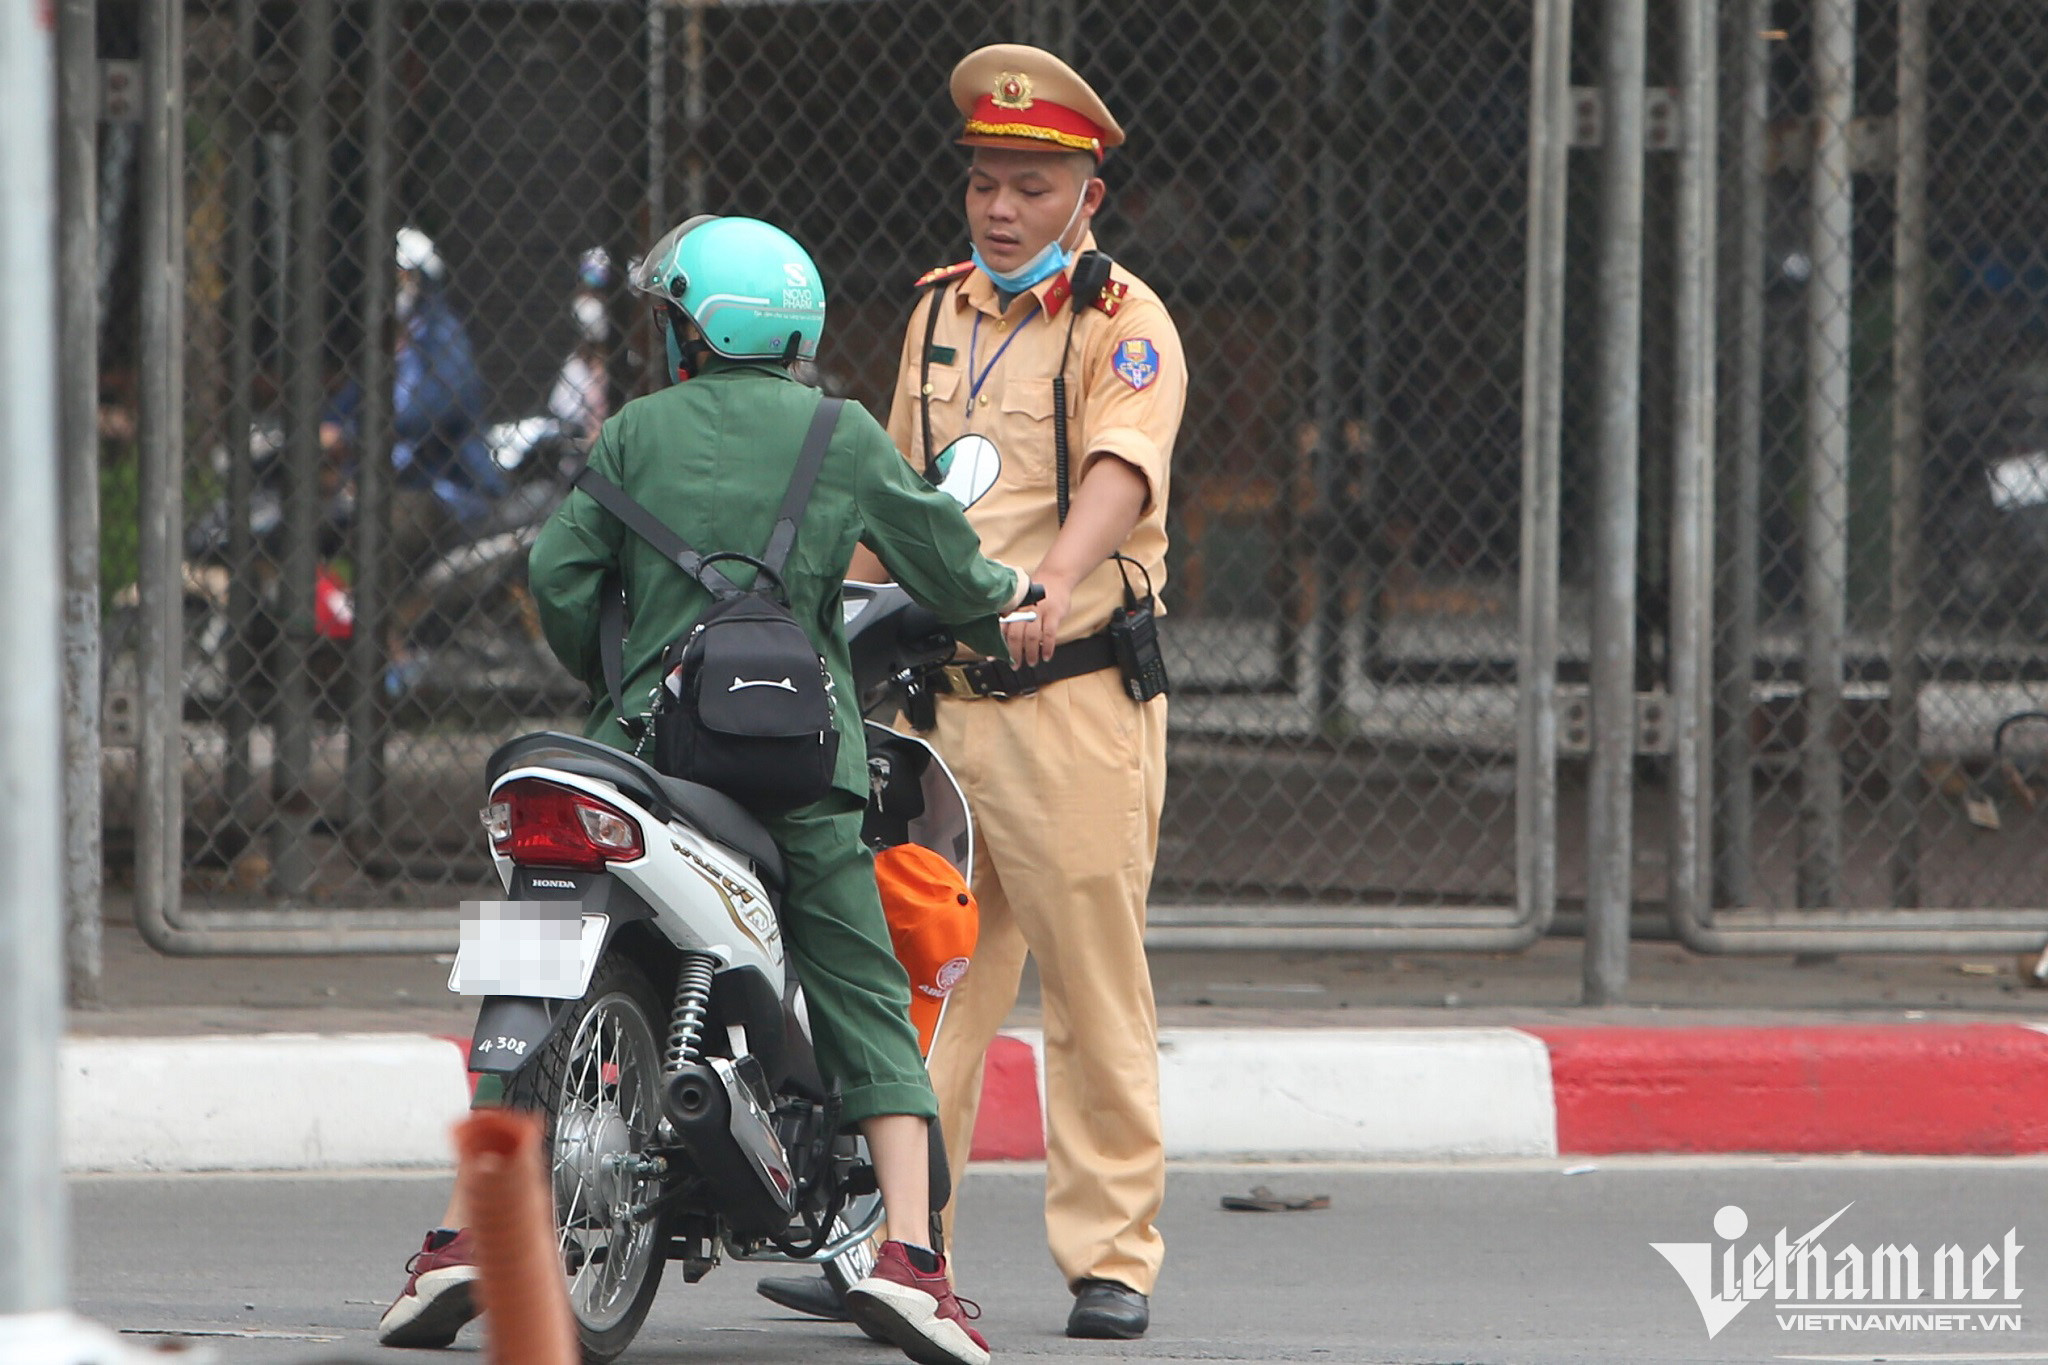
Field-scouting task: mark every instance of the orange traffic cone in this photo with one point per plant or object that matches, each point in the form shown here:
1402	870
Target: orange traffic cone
527	1319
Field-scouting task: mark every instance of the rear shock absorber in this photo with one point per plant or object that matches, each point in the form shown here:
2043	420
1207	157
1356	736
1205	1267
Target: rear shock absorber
686	1019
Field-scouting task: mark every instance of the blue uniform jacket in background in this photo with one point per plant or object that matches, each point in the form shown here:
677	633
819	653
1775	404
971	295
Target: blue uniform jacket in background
437	404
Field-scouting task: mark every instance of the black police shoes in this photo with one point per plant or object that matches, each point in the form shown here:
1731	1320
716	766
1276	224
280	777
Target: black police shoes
812	1294
1105	1310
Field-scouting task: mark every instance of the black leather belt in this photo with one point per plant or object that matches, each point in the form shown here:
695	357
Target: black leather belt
992	678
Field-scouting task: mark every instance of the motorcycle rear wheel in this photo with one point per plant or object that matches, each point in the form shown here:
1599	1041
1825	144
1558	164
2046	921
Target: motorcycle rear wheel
598	1083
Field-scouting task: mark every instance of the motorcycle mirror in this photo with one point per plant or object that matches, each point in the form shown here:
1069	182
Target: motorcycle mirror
968	469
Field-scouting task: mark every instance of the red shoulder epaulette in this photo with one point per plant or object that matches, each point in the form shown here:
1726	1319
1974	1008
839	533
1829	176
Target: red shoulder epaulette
1112	297
944	272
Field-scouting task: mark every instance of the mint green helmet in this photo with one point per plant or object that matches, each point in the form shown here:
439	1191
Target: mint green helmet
752	291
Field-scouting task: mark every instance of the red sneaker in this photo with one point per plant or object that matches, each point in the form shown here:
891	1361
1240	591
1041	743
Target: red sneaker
439	1297
916	1311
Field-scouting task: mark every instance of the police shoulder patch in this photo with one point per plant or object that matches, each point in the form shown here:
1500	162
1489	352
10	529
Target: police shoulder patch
944	272
1136	362
1112	297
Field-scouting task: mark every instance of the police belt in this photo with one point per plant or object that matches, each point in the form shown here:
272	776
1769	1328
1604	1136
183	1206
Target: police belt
993	678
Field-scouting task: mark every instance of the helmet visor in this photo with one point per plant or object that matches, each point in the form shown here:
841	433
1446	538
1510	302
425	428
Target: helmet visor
656	273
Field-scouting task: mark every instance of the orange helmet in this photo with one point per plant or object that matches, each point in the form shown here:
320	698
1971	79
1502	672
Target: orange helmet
933	924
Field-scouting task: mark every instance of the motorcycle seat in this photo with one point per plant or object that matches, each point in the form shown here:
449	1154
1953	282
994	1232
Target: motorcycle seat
703	808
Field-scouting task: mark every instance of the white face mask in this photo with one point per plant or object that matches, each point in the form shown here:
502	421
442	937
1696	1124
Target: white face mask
1047	263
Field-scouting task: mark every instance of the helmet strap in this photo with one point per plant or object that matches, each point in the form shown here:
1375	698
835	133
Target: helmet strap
685	358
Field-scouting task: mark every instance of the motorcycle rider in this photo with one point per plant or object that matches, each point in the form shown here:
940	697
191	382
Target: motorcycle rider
445	476
445	481
711	459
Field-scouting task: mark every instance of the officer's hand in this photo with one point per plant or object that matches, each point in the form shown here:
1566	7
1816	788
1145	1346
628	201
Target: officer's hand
1031	642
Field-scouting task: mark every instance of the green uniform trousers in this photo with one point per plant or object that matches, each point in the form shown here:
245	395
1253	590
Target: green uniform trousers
857	993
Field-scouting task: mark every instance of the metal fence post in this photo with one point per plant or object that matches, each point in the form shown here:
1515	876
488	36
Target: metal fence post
1610	790
291	830
33	1256
696	189
160	741
1369	470
1734	823
1909	429
367	725
1324	478
1542	442
657	120
239	777
1690	665
78	428
1826	578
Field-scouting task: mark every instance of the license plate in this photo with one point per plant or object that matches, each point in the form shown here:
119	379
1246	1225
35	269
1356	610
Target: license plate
547	949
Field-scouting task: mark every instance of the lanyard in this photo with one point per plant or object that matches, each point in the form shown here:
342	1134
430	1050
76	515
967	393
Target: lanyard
975	382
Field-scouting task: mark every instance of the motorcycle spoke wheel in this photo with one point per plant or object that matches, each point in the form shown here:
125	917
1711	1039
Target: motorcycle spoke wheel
598	1084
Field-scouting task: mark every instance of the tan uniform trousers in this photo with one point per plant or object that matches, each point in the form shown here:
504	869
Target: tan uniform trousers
1066	786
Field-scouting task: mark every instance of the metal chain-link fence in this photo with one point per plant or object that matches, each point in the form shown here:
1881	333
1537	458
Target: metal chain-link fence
1330	198
1333	199
1885	461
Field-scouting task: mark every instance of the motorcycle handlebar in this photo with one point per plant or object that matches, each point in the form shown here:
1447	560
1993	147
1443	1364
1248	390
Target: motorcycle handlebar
916	626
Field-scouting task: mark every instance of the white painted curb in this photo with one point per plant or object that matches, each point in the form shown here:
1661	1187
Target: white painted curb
1378	1094
1349	1094
292	1102
270	1102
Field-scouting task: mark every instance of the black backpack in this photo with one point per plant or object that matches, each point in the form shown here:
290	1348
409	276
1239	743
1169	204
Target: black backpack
745	701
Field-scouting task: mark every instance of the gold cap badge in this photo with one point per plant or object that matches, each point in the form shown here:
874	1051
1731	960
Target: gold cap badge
1013	90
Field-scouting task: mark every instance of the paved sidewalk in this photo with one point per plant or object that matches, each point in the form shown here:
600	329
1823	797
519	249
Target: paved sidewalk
147	995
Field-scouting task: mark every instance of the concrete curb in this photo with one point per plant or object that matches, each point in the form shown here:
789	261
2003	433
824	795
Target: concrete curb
1402	1094
1922	1089
267	1102
306	1102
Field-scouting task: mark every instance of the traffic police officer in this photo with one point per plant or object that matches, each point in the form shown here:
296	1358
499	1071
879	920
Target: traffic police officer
1065	770
1067	781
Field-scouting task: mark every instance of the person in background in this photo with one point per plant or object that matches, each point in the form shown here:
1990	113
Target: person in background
581	398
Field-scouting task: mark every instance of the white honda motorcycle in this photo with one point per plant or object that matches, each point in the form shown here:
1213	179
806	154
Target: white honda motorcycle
637	993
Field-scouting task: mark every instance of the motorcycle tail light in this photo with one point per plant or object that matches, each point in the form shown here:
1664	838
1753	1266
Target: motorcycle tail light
608	829
548	825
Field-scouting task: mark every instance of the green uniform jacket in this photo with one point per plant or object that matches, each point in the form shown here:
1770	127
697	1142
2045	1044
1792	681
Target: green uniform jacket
711	459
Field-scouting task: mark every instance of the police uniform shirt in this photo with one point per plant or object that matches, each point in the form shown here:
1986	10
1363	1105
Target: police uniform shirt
991	376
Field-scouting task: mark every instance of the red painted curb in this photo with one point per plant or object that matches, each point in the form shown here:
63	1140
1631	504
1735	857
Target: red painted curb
1975	1090
1009	1125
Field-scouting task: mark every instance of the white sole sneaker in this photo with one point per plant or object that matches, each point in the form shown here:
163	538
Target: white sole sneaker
439	1305
909	1319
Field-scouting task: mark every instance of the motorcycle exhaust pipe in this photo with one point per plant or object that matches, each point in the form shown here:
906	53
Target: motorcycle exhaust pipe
695	1101
732	1142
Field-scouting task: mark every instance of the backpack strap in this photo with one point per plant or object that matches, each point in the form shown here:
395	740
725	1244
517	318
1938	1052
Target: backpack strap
611	652
783	538
645	525
611	610
924	379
